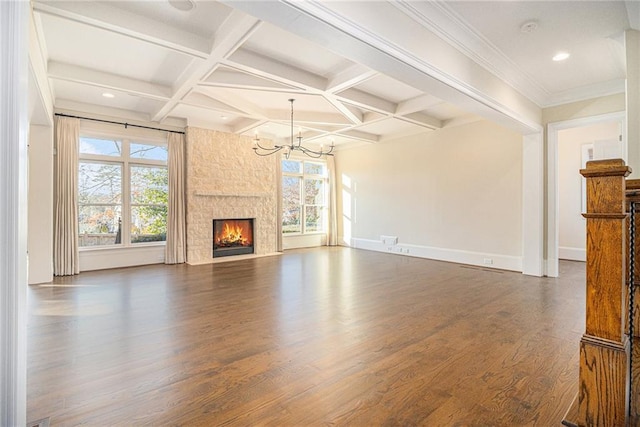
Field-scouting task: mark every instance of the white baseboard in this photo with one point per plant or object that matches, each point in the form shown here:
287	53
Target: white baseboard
502	262
573	254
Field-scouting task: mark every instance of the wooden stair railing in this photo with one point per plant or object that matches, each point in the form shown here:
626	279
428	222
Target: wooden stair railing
603	393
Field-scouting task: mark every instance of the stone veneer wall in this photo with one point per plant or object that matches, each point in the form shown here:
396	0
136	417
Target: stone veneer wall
225	179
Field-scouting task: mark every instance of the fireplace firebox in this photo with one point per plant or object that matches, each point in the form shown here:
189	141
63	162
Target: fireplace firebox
232	237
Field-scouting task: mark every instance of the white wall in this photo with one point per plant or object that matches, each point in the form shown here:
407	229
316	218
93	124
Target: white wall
572	226
454	194
304	241
40	222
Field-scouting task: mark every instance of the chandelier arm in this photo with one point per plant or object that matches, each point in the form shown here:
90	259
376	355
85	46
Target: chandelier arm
312	153
267	151
256	143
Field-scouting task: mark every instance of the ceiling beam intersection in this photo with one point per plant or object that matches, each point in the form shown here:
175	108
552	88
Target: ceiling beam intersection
234	31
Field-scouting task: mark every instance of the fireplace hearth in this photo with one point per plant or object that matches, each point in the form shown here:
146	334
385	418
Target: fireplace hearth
232	237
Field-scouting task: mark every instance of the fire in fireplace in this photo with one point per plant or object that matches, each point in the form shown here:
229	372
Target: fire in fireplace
232	237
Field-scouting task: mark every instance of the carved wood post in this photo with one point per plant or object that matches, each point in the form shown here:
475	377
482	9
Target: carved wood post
633	196
604	347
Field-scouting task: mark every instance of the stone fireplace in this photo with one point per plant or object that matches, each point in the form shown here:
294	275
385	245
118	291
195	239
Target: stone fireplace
225	179
232	237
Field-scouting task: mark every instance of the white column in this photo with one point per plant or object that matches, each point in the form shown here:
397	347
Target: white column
632	47
13	210
532	204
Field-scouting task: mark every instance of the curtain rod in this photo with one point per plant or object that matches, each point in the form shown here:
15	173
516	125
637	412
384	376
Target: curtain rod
118	123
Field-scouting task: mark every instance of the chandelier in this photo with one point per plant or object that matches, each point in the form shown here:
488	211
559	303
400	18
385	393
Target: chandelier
292	146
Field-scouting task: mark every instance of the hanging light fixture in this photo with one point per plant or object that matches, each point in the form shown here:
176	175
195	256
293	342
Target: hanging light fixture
292	146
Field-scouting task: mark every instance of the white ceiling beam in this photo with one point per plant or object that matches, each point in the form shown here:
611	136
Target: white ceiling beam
419	103
313	117
359	135
268	68
233	32
367	101
240	104
350	112
372	117
198	99
75	74
103	16
228	77
364	38
423	120
349	77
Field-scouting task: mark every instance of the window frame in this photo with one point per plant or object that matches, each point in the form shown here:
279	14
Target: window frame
302	176
126	162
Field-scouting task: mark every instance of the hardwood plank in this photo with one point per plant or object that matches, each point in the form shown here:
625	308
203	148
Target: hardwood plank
313	337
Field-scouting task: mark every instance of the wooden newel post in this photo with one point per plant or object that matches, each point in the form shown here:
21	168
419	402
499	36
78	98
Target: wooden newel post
604	347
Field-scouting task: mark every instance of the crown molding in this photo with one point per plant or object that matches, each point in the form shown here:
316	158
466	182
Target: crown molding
611	87
325	14
439	18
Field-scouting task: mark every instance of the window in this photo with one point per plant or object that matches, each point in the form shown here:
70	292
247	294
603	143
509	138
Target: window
122	192
304	198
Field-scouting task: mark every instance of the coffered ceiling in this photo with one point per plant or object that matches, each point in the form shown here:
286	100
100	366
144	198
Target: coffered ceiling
360	72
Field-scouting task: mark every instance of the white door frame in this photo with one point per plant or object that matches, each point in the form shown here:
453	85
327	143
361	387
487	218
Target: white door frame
552	177
14	127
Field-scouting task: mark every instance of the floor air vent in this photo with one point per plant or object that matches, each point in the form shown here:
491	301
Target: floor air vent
40	423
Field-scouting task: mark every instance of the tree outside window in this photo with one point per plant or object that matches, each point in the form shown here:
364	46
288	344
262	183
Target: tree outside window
122	192
304	187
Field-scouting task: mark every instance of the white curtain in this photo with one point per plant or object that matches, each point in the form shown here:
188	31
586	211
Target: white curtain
65	237
279	204
332	226
176	249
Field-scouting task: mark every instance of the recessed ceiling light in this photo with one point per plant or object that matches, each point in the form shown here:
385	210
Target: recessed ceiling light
224	117
108	95
560	56
183	5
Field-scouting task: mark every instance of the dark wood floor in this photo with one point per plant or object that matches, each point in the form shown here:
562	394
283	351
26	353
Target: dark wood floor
329	336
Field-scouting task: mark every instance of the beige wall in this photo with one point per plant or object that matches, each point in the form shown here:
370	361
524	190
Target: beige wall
572	226
225	179
456	191
40	195
587	108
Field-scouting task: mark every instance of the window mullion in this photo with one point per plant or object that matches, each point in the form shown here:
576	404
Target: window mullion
302	209
126	195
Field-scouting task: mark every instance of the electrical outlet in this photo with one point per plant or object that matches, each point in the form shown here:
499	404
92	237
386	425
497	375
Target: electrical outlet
488	261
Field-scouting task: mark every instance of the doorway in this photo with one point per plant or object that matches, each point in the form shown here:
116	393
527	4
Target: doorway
579	134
